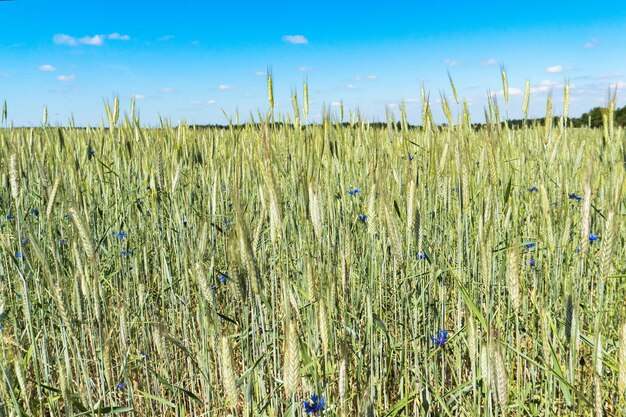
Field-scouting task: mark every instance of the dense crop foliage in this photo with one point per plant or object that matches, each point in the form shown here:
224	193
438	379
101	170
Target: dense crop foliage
239	271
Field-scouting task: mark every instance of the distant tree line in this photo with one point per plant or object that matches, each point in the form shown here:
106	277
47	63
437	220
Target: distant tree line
592	118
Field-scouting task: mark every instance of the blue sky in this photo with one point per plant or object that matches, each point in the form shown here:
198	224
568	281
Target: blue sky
195	60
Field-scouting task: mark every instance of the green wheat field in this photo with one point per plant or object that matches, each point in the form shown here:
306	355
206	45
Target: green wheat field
186	271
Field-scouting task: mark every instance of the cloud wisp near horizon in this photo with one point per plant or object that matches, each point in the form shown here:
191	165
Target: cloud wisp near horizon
195	61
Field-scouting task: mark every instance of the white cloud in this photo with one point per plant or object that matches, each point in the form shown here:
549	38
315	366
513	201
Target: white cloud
350	87
47	67
304	68
95	40
195	102
335	104
545	86
513	91
372	77
168	90
138	96
411	100
211	101
452	62
165	38
591	44
62	39
195	43
489	62
555	69
260	73
118	37
225	87
606	75
620	85
295	39
66	77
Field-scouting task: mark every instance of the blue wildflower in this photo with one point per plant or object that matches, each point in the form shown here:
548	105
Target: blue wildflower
35	212
421	255
593	237
533	189
532	262
575	197
25	241
121	385
354	191
315	405
441	339
10	217
92	153
577	250
18	255
530	245
411	157
18	295
121	234
363	217
222	278
63	241
126	252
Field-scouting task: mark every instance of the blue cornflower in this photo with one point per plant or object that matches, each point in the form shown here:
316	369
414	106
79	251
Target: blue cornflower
314	406
63	241
421	255
126	252
35	212
121	385
25	241
363	217
411	157
222	278
121	234
10	217
533	189
593	237
91	153
441	339
575	197
532	262
18	255
354	191
18	295
530	245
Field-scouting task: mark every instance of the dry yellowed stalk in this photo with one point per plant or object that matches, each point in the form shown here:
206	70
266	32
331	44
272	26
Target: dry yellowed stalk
14	179
621	357
410	211
545	206
229	378
585	217
291	365
372	212
608	239
499	374
512	275
53	194
485	368
84	235
203	284
247	256
394	236
315	212
323	325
